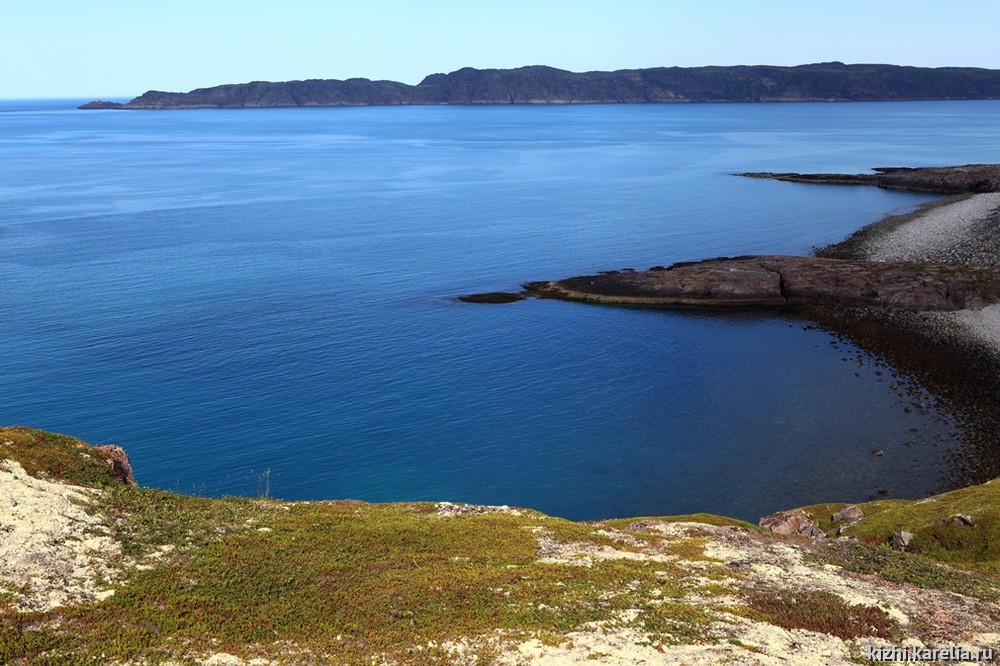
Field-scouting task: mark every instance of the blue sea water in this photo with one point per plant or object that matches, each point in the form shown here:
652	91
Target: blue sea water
241	295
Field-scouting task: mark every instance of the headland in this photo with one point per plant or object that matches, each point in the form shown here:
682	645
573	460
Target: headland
918	290
538	84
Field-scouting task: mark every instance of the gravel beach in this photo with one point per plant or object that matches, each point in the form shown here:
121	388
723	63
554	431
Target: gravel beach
961	230
955	355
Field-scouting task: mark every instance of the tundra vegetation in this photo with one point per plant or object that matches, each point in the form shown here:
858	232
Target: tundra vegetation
193	580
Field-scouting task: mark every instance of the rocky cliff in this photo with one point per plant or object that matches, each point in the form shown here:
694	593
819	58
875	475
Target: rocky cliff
832	81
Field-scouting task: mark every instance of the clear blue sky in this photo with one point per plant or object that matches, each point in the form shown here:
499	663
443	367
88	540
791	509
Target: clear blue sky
121	48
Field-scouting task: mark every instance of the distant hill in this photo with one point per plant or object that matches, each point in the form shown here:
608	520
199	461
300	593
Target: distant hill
822	82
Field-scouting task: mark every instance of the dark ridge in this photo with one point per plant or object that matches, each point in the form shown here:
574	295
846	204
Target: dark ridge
492	297
967	179
831	81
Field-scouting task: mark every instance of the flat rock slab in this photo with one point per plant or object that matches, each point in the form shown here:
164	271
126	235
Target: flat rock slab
938	180
781	280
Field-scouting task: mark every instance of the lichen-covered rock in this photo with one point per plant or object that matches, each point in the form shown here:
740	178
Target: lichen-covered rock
54	551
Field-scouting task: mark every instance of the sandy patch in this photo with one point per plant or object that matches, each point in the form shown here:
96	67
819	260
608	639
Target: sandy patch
53	551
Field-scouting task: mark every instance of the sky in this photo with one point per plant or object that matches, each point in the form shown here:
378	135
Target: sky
117	49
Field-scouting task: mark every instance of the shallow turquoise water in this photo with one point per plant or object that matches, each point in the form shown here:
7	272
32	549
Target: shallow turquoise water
228	292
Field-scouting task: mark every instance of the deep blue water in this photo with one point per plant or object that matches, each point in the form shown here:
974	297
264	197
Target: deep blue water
228	292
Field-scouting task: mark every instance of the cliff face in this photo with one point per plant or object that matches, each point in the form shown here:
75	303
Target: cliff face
546	85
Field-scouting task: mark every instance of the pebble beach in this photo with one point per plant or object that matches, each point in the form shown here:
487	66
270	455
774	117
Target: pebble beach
964	230
955	355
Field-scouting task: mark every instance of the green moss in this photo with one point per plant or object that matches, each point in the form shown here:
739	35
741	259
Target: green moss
56	457
938	535
347	580
351	581
913	569
703	518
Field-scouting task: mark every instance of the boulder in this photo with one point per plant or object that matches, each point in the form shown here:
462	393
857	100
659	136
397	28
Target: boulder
961	519
849	515
792	522
901	540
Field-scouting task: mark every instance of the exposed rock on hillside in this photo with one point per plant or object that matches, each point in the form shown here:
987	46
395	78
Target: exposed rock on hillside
118	462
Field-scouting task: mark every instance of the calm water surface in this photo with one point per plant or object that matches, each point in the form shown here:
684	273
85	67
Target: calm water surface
229	292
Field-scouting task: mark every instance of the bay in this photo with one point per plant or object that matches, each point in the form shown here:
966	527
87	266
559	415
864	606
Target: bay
241	295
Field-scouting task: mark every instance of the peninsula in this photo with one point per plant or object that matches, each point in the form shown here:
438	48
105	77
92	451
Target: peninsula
910	282
819	82
918	290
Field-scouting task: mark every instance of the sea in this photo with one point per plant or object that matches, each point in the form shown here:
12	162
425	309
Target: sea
263	302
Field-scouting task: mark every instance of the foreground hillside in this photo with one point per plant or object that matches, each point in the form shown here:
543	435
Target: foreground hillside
97	571
831	81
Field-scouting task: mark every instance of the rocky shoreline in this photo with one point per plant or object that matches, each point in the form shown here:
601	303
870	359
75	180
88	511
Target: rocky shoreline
968	178
955	355
913	289
778	281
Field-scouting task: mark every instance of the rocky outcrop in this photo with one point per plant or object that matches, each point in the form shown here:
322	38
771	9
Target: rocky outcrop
848	515
789	523
783	280
900	541
492	297
830	81
118	462
970	178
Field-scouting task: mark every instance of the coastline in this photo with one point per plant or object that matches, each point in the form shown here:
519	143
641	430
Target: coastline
955	355
917	290
100	569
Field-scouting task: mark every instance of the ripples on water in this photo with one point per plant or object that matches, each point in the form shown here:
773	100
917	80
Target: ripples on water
228	292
